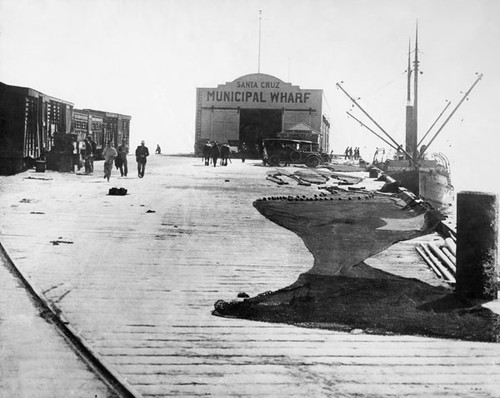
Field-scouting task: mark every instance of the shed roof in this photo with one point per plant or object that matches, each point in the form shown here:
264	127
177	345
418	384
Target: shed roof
302	127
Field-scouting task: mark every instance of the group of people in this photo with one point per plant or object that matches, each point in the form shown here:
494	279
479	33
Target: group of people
110	154
350	153
212	151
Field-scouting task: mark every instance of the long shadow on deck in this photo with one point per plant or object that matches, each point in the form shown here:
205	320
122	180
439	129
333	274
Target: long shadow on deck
341	292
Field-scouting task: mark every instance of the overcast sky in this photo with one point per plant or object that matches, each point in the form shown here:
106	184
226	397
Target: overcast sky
145	58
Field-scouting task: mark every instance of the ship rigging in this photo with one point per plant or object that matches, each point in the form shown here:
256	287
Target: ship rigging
429	179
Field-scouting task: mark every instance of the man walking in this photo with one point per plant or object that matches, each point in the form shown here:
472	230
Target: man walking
215	153
94	152
206	152
141	154
109	153
88	155
225	153
243	152
122	154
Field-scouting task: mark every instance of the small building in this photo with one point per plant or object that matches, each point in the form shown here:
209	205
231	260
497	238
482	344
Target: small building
254	107
30	123
301	131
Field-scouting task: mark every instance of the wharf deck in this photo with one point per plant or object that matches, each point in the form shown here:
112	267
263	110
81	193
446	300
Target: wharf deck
35	358
137	277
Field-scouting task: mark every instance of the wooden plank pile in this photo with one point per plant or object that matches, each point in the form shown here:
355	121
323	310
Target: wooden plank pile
441	258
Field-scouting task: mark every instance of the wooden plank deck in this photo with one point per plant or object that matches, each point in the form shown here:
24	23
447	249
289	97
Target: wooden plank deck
140	286
35	358
403	259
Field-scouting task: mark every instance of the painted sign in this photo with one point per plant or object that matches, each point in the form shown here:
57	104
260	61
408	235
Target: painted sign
258	96
260	91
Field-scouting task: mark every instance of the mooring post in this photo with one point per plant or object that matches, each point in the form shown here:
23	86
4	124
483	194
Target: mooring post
477	245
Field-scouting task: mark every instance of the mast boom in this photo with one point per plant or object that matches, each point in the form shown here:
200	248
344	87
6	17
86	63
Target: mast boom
451	114
433	124
370	130
381	129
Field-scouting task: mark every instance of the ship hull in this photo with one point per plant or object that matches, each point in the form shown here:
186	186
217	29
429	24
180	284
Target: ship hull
435	188
429	182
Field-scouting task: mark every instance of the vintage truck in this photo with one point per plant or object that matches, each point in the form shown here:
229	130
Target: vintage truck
280	151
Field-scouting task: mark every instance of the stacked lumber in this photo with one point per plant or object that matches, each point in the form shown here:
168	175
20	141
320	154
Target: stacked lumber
441	258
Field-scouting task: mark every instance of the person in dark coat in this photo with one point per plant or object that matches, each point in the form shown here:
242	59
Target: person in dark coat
141	154
88	155
225	154
94	153
243	152
215	153
122	155
206	153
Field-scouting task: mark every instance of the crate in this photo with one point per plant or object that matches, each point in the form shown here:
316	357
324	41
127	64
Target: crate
40	166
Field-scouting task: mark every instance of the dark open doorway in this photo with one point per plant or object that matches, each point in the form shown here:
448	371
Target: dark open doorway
257	124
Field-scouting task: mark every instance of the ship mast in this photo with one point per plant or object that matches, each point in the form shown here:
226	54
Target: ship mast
408	90
411	152
415	95
412	109
409	105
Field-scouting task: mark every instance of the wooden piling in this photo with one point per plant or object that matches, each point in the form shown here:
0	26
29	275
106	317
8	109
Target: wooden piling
477	245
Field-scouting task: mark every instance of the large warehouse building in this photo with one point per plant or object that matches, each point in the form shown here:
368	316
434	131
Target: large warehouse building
258	106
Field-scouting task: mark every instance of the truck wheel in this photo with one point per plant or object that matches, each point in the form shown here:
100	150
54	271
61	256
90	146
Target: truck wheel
274	160
295	156
312	161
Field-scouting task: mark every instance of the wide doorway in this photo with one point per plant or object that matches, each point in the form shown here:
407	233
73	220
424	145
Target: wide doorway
257	124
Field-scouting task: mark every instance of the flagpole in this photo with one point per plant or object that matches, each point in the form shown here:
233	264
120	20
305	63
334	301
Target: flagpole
260	23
